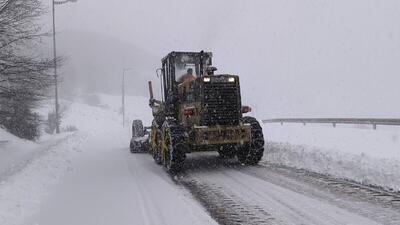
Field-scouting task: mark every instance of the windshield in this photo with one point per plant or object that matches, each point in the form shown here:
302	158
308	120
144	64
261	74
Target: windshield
183	69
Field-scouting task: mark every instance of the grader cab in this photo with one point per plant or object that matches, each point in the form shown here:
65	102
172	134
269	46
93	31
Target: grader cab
203	113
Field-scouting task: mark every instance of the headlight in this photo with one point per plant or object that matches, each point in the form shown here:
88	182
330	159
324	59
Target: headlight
206	79
231	79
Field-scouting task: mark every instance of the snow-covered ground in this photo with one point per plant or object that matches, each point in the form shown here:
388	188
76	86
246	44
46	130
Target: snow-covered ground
15	152
263	195
89	176
357	153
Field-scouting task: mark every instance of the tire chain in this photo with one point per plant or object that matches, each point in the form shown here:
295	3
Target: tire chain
257	141
176	135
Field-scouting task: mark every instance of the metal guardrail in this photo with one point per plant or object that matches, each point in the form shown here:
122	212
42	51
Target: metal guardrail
356	121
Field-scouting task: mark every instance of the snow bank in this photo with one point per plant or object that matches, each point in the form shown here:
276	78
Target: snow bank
96	112
13	150
365	155
22	193
29	170
76	180
16	152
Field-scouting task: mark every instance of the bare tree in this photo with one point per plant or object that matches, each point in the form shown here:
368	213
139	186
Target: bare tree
24	74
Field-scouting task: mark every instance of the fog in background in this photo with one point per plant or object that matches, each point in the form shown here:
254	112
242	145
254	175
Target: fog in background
295	58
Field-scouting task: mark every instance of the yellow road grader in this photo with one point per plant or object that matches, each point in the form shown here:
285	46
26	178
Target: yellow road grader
204	113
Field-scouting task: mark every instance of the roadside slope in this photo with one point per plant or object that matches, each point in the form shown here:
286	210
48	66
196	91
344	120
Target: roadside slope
91	178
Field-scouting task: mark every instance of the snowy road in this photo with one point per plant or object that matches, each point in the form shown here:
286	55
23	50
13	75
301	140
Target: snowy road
234	194
108	185
105	184
91	178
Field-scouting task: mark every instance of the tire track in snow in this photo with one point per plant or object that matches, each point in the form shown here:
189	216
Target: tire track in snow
225	207
160	200
148	210
234	194
341	187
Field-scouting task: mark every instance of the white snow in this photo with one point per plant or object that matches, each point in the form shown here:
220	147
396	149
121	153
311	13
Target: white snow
90	177
16	152
357	153
284	206
12	150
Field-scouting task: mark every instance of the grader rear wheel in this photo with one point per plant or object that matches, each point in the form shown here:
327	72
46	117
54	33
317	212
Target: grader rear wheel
255	149
173	146
226	152
242	153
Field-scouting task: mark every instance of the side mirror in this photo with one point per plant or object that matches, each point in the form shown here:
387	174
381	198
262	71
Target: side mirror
157	72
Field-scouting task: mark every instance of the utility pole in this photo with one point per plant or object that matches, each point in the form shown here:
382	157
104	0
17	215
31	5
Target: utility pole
123	95
55	71
55	61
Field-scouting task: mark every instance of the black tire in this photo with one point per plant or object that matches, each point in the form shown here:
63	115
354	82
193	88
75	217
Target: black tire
227	152
256	147
145	147
131	147
242	152
137	128
173	147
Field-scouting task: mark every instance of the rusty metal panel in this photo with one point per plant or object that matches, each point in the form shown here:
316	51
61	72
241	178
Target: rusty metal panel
222	135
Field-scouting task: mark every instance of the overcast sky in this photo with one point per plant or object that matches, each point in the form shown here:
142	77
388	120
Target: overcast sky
295	57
